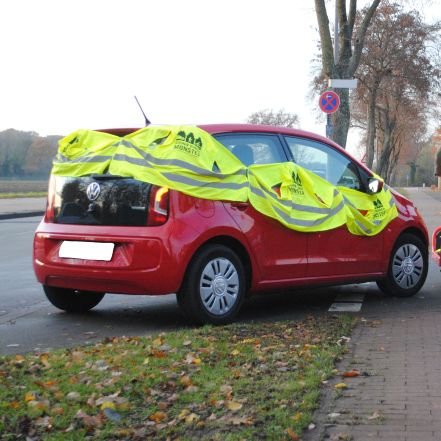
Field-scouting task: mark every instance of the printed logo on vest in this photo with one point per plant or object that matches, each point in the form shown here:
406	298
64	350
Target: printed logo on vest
379	210
296	187
186	142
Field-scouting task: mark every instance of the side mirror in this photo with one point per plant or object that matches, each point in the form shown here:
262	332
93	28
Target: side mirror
375	185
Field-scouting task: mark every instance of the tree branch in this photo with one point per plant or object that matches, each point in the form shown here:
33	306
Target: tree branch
352	15
359	40
325	39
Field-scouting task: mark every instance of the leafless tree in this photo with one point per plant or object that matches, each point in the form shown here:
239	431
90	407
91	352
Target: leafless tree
274	118
397	77
351	44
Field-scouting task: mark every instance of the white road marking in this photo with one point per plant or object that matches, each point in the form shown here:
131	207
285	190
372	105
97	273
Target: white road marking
351	302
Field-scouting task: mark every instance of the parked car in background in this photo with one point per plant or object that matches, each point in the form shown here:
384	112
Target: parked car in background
112	234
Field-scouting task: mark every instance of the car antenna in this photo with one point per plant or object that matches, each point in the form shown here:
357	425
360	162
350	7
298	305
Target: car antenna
147	121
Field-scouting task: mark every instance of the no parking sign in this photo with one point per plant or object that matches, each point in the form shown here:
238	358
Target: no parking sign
329	102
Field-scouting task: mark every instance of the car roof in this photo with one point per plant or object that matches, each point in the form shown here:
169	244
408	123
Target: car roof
216	129
259	128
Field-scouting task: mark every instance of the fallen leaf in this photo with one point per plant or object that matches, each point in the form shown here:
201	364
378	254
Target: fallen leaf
242	421
192	359
14	405
297	417
186	381
77	356
375	415
341	386
57	410
158	341
44	359
157	417
19	359
234	406
30	396
334	415
191	418
88	421
292	435
158	354
73	396
45	422
49	385
227	390
352	373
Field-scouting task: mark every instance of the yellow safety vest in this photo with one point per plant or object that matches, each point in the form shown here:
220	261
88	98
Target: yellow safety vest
368	214
181	157
190	160
296	197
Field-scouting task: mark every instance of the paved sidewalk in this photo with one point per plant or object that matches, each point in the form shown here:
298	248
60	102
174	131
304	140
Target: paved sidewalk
397	351
21	207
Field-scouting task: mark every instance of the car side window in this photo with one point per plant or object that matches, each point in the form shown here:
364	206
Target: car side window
253	148
326	162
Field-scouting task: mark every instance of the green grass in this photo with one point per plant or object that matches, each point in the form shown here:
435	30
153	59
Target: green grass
31	194
22	189
243	381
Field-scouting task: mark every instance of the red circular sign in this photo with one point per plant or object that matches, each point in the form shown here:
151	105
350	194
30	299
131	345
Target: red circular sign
329	101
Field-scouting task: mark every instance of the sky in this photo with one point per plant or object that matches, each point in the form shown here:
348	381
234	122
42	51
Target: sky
70	64
78	64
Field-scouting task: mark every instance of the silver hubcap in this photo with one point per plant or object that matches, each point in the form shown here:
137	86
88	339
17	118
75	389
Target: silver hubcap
408	265
219	286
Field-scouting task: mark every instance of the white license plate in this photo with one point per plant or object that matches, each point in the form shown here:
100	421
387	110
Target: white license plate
87	250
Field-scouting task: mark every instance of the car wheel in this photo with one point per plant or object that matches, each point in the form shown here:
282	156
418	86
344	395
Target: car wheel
407	267
214	286
71	300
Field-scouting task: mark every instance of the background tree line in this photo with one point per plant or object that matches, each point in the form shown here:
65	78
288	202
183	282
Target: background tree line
26	154
395	55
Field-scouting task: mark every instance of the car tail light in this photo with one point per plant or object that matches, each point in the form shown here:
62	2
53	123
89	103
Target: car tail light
50	203
158	206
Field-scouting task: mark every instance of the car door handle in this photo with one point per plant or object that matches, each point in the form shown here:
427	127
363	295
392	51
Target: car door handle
241	206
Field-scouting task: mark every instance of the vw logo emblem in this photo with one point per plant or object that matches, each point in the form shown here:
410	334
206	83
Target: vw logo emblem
93	191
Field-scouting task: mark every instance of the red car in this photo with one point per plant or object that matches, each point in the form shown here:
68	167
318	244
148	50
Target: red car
139	238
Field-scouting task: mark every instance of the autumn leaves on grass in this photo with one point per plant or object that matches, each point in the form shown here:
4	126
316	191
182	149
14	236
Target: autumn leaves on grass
227	383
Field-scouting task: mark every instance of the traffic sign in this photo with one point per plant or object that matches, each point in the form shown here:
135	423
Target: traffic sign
329	101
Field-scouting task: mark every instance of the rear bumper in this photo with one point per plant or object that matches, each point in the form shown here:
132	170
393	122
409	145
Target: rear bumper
140	264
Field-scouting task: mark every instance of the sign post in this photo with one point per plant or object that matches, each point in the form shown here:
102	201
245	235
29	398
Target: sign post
329	102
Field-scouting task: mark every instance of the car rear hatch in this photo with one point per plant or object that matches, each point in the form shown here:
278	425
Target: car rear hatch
105	200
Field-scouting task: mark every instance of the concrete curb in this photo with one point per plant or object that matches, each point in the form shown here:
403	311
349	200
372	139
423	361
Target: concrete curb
6	216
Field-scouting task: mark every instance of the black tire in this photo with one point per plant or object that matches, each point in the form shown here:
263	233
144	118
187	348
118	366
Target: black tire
71	300
408	267
214	286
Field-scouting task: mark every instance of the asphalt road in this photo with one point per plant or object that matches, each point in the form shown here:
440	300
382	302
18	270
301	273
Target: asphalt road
29	322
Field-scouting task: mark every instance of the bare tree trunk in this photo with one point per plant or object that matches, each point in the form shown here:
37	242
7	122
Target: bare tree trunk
388	144
342	118
349	58
371	129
